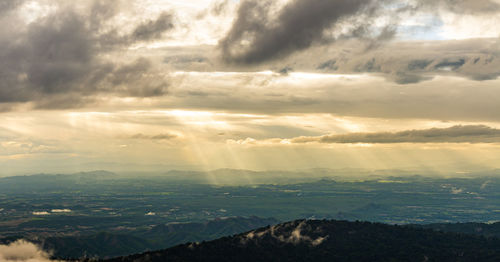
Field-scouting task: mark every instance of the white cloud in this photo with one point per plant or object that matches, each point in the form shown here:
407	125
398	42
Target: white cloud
61	211
41	213
23	251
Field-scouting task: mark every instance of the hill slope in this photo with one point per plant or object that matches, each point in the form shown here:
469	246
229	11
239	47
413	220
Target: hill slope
315	240
112	244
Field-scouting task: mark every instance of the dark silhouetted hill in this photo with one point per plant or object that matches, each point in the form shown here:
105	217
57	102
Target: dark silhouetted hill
321	240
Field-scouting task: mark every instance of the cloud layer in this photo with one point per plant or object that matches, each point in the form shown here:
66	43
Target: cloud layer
92	83
67	56
454	134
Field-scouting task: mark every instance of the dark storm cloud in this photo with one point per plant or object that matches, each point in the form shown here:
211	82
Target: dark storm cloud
262	35
297	26
455	134
59	54
55	55
58	61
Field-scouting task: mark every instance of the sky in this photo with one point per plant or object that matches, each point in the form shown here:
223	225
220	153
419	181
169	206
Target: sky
156	85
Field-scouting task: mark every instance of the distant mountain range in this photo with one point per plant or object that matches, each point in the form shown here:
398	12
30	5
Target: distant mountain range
231	177
322	240
43	182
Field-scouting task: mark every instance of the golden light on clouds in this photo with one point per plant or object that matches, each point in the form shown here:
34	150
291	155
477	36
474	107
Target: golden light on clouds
155	85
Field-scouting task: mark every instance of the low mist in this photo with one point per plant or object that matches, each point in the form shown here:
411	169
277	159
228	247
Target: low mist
23	251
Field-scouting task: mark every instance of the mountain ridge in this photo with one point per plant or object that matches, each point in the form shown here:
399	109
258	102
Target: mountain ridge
331	240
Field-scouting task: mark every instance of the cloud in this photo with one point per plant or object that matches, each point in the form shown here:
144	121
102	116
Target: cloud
164	136
9	5
406	62
259	35
72	57
462	6
264	31
10	146
153	29
184	59
63	60
454	134
137	79
60	54
219	7
102	11
61	210
444	98
40	213
23	251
